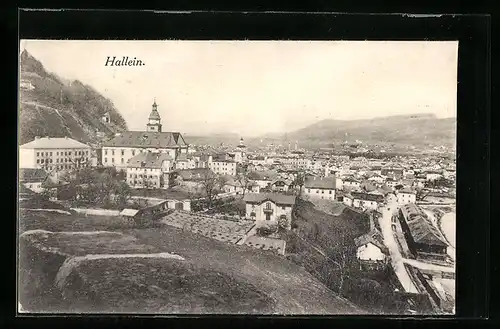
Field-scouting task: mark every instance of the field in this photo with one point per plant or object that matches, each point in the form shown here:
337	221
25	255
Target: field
215	277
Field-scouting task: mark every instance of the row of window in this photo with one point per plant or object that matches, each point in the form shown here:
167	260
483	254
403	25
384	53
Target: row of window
317	191
154	183
141	176
113	160
57	160
65	166
62	153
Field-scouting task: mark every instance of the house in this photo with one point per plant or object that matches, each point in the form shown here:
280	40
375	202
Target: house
370	250
422	237
190	178
366	200
106	118
351	183
26	85
320	187
269	208
281	185
348	199
54	154
33	178
149	170
392	172
406	195
433	175
263	178
377	179
258	160
233	185
223	164
126	145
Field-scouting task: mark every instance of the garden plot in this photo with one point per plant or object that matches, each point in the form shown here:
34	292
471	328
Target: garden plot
218	229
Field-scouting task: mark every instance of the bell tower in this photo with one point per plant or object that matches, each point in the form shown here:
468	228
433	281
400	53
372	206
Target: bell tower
154	121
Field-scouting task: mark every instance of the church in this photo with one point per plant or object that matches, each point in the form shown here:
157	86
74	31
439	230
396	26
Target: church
125	145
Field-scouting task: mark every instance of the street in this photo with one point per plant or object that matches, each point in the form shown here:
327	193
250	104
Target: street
390	242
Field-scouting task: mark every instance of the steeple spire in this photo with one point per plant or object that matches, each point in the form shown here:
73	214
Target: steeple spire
154	123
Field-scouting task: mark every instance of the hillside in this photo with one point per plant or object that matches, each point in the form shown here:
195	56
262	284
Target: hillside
418	130
56	107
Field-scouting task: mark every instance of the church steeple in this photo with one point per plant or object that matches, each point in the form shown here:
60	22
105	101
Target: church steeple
154	121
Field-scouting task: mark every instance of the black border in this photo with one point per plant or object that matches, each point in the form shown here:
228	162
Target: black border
473	33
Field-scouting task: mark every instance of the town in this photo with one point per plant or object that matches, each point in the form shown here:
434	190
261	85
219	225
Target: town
373	225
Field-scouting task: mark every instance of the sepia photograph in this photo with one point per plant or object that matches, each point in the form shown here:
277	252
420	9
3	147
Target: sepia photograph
174	177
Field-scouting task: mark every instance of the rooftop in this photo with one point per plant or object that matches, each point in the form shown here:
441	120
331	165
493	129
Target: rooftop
367	196
274	197
147	139
421	227
149	160
320	182
54	143
31	175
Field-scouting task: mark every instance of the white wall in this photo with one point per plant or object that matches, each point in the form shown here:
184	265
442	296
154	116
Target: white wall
404	198
277	211
27	158
320	193
370	252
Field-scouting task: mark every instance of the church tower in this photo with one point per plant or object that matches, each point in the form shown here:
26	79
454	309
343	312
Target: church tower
154	121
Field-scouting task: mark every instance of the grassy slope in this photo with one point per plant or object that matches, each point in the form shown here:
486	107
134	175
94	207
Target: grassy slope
293	290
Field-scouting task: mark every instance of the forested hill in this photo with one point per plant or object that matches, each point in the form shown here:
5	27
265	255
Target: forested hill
51	106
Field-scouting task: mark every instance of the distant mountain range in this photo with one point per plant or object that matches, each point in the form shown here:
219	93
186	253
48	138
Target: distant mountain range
417	130
56	107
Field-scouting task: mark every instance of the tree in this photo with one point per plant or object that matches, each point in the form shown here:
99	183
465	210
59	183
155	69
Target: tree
244	181
300	180
209	183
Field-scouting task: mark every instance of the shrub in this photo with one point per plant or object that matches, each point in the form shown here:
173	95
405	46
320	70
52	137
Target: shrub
267	230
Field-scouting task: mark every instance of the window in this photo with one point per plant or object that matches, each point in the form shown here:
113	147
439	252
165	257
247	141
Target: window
69	152
122	160
317	191
133	152
283	208
37	160
42	153
330	192
50	153
42	160
105	152
113	152
105	160
268	205
322	191
308	190
37	154
113	160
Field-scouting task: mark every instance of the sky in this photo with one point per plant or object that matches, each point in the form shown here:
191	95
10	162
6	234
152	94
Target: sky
256	87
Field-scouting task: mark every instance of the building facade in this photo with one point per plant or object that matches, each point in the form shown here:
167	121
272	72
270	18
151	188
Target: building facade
149	170
320	187
54	154
126	145
269	208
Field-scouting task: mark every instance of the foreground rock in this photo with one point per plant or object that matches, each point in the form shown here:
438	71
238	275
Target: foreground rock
113	273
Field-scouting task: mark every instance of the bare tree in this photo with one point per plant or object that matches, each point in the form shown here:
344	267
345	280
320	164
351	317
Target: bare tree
209	183
244	181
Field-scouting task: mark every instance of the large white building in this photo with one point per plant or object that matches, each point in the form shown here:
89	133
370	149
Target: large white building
406	195
124	146
54	154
